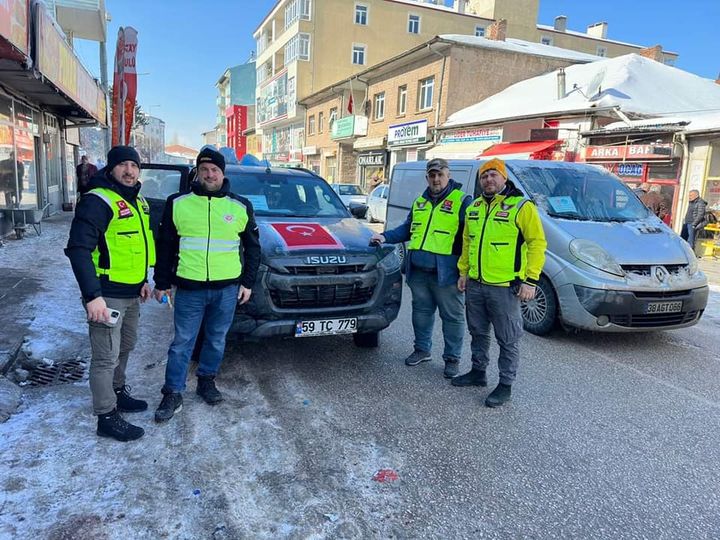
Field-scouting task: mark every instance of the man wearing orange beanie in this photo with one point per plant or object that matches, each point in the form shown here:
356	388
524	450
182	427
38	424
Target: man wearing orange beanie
502	256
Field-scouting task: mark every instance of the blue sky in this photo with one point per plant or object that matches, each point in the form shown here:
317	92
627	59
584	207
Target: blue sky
185	45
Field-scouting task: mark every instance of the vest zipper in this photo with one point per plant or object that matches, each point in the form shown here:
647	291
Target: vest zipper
482	234
207	250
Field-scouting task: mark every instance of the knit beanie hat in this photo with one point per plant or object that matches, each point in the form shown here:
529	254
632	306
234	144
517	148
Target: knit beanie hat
118	154
208	155
495	163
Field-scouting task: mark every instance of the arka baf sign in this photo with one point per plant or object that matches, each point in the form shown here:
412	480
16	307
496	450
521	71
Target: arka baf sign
408	133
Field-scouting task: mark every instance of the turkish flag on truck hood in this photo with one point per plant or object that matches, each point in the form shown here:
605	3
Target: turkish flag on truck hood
306	236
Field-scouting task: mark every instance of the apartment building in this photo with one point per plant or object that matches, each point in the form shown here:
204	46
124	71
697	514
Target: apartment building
304	46
236	86
398	104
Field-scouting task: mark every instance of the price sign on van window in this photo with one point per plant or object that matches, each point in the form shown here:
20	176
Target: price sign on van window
630	169
562	205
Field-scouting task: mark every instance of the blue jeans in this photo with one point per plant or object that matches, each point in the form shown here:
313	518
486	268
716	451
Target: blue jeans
427	297
688	234
217	307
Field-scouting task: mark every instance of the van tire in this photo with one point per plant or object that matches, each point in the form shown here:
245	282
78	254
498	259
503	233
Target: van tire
540	314
367	340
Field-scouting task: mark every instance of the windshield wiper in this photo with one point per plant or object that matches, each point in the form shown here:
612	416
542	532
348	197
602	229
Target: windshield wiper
568	215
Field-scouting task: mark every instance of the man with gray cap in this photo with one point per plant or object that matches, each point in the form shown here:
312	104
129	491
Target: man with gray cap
434	232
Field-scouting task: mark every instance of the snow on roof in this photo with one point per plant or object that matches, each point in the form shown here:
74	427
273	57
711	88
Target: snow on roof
520	46
550	28
638	85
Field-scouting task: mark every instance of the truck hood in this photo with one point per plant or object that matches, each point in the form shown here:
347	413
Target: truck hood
645	242
301	236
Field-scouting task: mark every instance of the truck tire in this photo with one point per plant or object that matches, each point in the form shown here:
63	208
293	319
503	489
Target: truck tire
367	340
540	314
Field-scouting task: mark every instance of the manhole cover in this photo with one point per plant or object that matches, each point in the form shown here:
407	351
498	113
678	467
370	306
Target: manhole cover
62	372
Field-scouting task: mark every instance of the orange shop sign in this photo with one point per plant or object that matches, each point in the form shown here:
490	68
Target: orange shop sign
629	152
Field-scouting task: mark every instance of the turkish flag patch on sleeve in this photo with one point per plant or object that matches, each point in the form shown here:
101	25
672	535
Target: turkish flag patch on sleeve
306	236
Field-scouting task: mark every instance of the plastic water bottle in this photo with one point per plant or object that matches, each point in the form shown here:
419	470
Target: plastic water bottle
166	299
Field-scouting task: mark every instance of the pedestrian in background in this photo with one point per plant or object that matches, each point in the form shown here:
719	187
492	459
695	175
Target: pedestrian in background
209	248
694	217
655	201
84	172
111	248
434	230
502	257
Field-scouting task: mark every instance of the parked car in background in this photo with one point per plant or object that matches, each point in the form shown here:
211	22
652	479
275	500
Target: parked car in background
350	194
377	203
611	265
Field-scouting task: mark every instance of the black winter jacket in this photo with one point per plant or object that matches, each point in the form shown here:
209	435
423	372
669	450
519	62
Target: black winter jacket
92	217
168	246
696	213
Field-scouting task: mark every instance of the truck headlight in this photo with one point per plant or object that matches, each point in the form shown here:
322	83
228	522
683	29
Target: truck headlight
692	267
591	253
391	262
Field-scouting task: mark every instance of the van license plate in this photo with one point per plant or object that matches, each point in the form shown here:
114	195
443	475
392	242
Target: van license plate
664	307
326	327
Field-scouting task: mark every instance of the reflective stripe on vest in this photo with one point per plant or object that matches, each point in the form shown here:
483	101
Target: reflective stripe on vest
129	240
433	228
496	242
209	229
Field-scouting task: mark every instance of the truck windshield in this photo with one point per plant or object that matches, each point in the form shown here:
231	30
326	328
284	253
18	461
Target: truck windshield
286	195
584	193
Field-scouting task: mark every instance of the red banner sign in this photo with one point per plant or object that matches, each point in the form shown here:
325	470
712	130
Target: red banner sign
305	236
629	152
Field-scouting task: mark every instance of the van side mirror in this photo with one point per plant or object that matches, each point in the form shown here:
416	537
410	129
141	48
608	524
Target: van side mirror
358	210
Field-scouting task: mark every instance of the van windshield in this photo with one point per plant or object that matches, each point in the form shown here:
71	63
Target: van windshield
286	195
584	193
348	189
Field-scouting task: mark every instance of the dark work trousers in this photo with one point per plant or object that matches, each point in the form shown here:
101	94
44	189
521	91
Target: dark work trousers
499	306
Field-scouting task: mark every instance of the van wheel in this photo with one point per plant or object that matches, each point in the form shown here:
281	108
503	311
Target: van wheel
540	314
367	340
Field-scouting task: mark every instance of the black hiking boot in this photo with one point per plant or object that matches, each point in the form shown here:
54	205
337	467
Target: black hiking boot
206	389
474	377
170	404
127	403
499	396
114	426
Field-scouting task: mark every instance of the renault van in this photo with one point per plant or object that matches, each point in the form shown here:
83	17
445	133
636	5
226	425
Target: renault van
611	265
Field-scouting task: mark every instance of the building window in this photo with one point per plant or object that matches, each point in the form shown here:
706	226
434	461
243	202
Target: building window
546	40
425	93
379	106
414	24
321	122
358	54
479	31
311	125
402	100
361	14
298	48
332	117
295	10
601	51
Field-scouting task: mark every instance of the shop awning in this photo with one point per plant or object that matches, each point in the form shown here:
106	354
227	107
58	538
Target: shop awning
522	150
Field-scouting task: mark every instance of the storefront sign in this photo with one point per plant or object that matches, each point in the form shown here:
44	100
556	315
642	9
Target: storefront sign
630	152
409	133
372	159
349	126
471	135
309	150
14	23
272	101
57	62
630	169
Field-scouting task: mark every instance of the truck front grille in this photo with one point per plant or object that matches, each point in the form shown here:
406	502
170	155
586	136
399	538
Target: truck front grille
325	269
314	296
655	319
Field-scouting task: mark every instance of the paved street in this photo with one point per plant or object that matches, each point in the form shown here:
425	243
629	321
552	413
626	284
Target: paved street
606	437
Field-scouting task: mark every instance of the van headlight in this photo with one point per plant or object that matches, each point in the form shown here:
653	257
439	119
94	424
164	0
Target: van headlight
693	266
391	262
591	253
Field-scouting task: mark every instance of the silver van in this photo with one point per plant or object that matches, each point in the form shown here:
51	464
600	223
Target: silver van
611	266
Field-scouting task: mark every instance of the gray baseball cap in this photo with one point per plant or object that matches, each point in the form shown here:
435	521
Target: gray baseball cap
436	164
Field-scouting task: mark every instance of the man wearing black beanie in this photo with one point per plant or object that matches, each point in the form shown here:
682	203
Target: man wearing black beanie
208	247
110	248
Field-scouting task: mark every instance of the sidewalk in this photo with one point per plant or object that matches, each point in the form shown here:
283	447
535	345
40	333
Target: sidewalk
711	267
